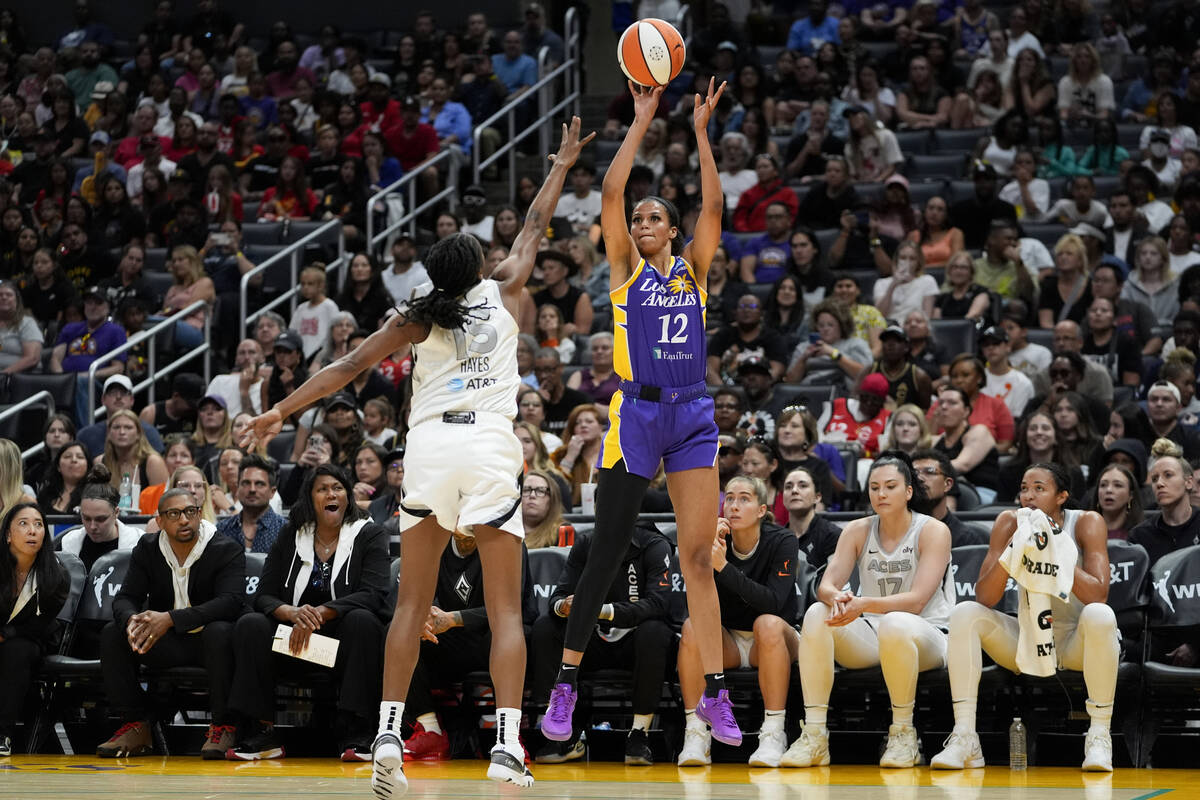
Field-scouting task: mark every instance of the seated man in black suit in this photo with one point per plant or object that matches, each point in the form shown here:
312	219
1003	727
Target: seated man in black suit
184	589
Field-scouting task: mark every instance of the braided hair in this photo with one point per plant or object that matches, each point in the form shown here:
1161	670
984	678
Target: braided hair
454	265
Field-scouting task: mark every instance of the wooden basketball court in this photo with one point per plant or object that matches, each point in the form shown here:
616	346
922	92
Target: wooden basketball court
189	778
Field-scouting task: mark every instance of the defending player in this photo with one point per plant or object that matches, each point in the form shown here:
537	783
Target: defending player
661	412
898	620
465	384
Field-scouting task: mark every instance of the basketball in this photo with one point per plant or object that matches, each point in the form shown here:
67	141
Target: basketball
650	52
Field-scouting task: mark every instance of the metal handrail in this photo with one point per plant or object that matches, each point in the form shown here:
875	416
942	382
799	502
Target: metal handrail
570	68
291	251
409	180
150	333
33	399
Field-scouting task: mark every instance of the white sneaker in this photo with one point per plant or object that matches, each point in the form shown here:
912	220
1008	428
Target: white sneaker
810	750
902	749
387	771
960	751
697	747
1097	751
770	749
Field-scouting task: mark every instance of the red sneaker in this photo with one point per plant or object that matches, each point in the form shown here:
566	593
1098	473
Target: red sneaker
426	746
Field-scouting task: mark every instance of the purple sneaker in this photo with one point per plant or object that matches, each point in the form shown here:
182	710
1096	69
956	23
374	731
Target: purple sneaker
717	713
556	725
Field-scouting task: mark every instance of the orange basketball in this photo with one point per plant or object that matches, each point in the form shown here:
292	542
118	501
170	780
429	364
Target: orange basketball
650	52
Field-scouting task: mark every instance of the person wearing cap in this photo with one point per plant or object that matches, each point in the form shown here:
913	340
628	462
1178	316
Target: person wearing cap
1159	160
116	396
379	111
100	151
477	221
214	428
763	405
289	372
872	152
859	420
974	215
80	344
1163	404
571	301
537	35
151	151
751	210
411	142
809	33
906	382
178	413
1004	382
747	335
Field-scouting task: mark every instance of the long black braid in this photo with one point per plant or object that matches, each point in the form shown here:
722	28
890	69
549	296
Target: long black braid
453	265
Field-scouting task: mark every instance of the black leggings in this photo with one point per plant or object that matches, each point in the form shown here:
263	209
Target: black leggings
619	496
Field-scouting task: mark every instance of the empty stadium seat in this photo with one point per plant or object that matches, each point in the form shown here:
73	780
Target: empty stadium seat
913	142
947	166
953	335
960	141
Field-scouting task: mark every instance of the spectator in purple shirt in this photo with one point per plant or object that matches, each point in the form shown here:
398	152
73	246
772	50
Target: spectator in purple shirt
80	344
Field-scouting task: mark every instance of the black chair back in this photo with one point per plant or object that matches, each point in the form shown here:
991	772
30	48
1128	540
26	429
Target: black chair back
545	567
103	583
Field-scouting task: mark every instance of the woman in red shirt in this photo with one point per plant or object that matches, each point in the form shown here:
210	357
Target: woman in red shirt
966	373
290	197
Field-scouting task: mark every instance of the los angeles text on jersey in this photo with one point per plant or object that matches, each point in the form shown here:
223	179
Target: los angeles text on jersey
658	296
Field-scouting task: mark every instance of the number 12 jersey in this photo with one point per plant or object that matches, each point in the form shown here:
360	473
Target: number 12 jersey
658	326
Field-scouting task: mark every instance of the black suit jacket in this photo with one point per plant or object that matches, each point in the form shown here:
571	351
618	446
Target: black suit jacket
38	620
216	585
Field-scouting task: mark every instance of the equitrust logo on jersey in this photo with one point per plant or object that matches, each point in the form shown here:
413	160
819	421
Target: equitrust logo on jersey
659	355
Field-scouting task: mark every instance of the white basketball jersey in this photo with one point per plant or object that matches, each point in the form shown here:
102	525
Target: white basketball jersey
460	371
882	573
1066	614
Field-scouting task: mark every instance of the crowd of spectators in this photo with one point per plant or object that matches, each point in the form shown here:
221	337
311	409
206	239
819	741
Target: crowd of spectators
1032	294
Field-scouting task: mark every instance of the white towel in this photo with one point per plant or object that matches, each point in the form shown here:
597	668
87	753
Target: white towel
180	573
1041	559
307	556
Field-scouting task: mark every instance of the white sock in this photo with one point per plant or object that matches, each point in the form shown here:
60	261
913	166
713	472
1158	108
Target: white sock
390	714
1101	715
692	722
508	729
816	715
429	722
902	715
964	715
642	722
772	721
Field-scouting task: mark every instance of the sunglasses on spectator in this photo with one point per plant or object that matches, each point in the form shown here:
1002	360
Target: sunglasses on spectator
173	514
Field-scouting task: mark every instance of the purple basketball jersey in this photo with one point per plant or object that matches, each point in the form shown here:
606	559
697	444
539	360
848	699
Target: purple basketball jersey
658	326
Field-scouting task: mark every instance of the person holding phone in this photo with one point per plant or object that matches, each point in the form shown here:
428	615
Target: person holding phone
859	244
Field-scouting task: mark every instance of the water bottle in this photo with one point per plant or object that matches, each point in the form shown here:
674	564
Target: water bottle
1016	744
126	502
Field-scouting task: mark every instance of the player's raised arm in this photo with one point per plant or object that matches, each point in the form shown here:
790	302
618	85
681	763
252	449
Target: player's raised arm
712	201
391	337
619	247
513	272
